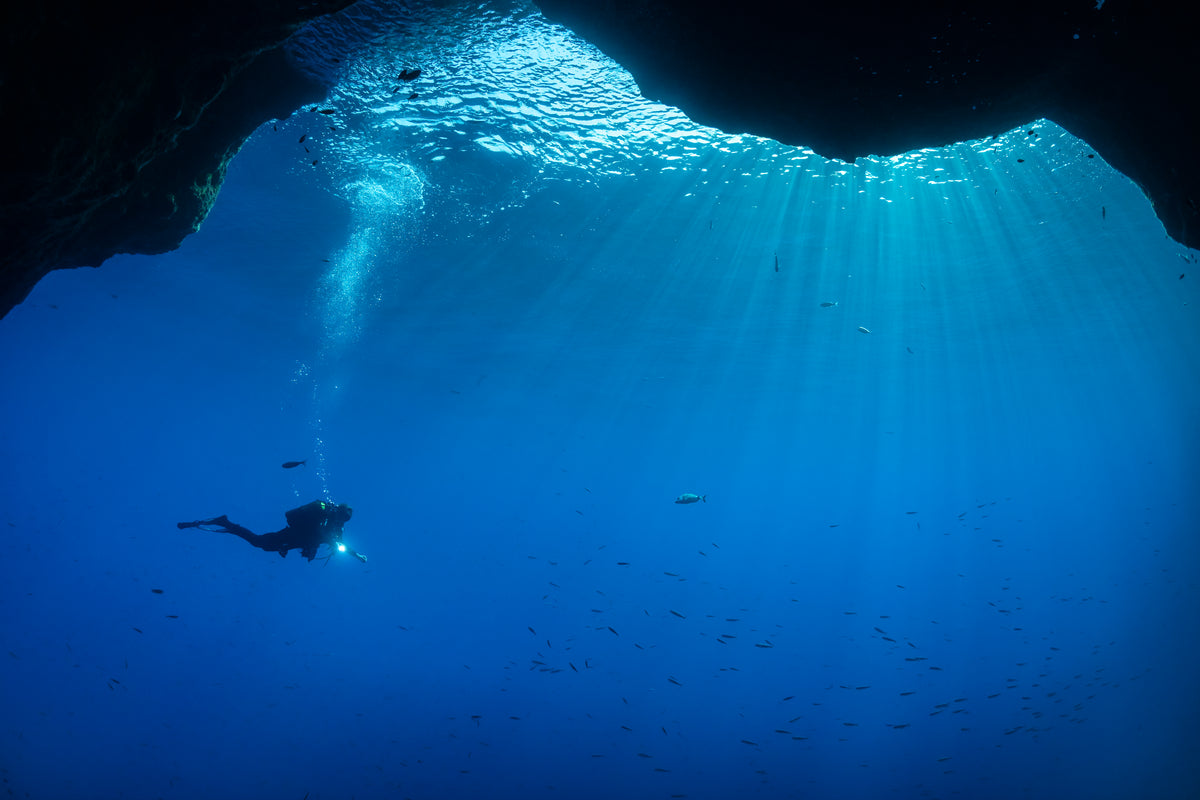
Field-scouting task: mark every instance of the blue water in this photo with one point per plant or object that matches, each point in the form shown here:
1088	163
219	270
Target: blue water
509	321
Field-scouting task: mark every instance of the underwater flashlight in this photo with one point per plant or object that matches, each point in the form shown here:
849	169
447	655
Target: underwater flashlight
341	548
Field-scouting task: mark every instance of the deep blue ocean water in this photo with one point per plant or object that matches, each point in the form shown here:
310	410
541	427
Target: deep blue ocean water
509	321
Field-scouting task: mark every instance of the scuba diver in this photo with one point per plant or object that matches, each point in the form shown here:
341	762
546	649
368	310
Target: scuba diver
308	527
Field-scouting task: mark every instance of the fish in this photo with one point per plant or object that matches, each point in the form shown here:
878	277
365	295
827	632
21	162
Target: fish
909	349
294	464
676	613
326	111
408	75
861	329
672	680
828	304
157	591
777	262
688	497
747	741
302	138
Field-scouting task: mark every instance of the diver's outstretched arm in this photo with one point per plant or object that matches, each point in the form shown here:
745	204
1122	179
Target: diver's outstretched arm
352	552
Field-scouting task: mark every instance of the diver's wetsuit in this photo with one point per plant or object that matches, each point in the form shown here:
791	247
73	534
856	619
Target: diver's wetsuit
309	527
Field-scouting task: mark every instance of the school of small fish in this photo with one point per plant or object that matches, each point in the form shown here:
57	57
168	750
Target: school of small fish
649	645
915	688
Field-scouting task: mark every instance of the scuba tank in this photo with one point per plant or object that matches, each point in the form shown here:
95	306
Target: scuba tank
314	513
317	513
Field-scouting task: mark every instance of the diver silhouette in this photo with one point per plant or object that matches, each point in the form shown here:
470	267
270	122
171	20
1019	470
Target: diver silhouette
308	527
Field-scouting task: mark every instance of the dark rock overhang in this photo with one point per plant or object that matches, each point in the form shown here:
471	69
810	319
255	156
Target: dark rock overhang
851	78
121	118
